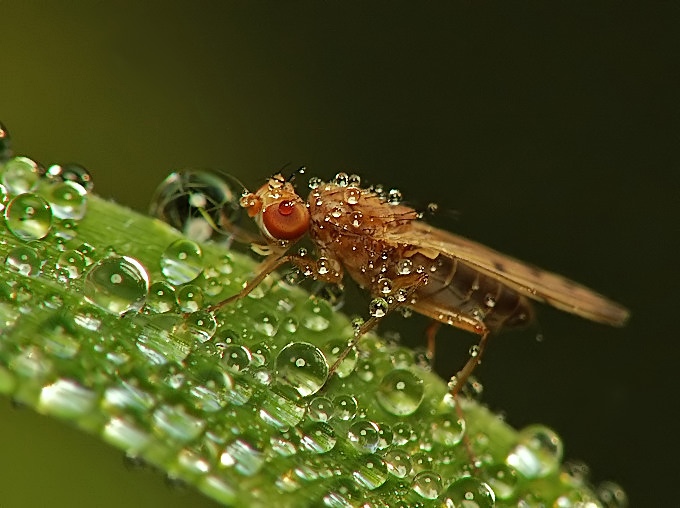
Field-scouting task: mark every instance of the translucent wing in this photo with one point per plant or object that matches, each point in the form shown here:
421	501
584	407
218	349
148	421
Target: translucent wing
538	284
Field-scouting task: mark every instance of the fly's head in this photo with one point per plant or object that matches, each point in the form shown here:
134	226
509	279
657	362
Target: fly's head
279	212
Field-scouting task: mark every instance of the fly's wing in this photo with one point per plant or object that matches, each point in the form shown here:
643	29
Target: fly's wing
525	278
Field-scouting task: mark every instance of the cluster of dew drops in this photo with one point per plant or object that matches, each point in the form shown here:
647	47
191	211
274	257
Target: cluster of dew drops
39	203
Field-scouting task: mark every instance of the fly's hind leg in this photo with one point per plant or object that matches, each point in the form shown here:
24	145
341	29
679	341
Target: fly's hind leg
458	381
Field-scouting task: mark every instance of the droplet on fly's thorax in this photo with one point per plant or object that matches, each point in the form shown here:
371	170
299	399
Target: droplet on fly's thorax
198	203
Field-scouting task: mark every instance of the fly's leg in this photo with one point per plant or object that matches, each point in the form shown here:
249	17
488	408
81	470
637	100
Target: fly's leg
458	381
430	334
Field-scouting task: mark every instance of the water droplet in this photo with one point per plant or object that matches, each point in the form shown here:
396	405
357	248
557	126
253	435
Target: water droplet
447	429
117	285
161	297
364	436
20	174
385	285
345	407
333	349
303	367
612	495
315	182
4	197
175	423
341	179
189	298
67	399
394	196
371	472
73	262
427	484
378	307
182	261
24	260
468	491
201	325
68	200
317	315
243	457
318	437
87	317
538	452
198	203
404	266
267	324
352	195
320	409
260	354
400	392
502	479
398	462
280	407
28	217
236	358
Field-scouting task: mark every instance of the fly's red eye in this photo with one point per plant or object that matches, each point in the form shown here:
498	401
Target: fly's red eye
286	220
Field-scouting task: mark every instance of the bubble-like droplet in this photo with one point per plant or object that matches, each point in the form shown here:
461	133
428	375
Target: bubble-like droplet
538	452
182	261
371	471
243	457
189	298
318	437
317	315
468	491
201	325
400	392
345	407
68	200
341	179
364	436
161	297
24	260
236	358
502	479
333	349
378	307
28	217
320	409
73	262
266	323
404	266
447	429
427	484
303	367
20	174
71	172
398	462
117	285
352	195
198	203
66	398
612	495
403	433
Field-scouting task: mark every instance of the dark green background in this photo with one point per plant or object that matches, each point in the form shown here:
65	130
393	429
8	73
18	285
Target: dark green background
551	128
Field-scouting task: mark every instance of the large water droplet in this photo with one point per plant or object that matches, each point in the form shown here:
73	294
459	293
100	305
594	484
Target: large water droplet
427	484
117	284
468	491
20	174
28	217
182	261
364	435
161	297
243	457
73	262
303	367
24	260
448	429
371	472
67	399
318	437
400	392
538	452
68	200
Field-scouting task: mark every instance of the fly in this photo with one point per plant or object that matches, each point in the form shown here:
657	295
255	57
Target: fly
402	261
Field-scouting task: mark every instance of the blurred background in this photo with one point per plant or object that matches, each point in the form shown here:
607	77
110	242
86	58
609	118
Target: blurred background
547	131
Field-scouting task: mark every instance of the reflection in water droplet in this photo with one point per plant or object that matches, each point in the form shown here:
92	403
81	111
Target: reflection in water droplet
267	324
318	437
371	472
303	367
67	399
182	261
317	315
400	392
333	349
398	462
320	409
201	325
345	407
243	457
447	429
236	358
538	452
378	307
161	297
468	491
117	285
20	174
28	217
68	200
427	484
72	173
364	435
503	480
24	260
72	262
189	298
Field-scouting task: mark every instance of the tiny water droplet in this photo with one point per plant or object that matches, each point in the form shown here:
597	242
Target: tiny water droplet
320	409
267	324
236	358
352	195
502	479
73	262
612	495
117	285
317	315
182	261
71	172
303	367
341	179
394	197
201	325
315	182
404	266
385	285
378	307
28	217
400	392
447	429
318	437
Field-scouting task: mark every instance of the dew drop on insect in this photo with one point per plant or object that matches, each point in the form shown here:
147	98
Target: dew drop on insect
404	266
161	297
67	199
315	182
182	261
378	307
612	495
201	325
538	452
318	437
303	367
352	195
356	218
320	409
469	491
20	174
189	298
427	484
447	429
345	407
371	472
336	347
474	351
341	179
24	260
28	217
385	285
364	436
117	284
236	358
400	392
394	197
490	301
